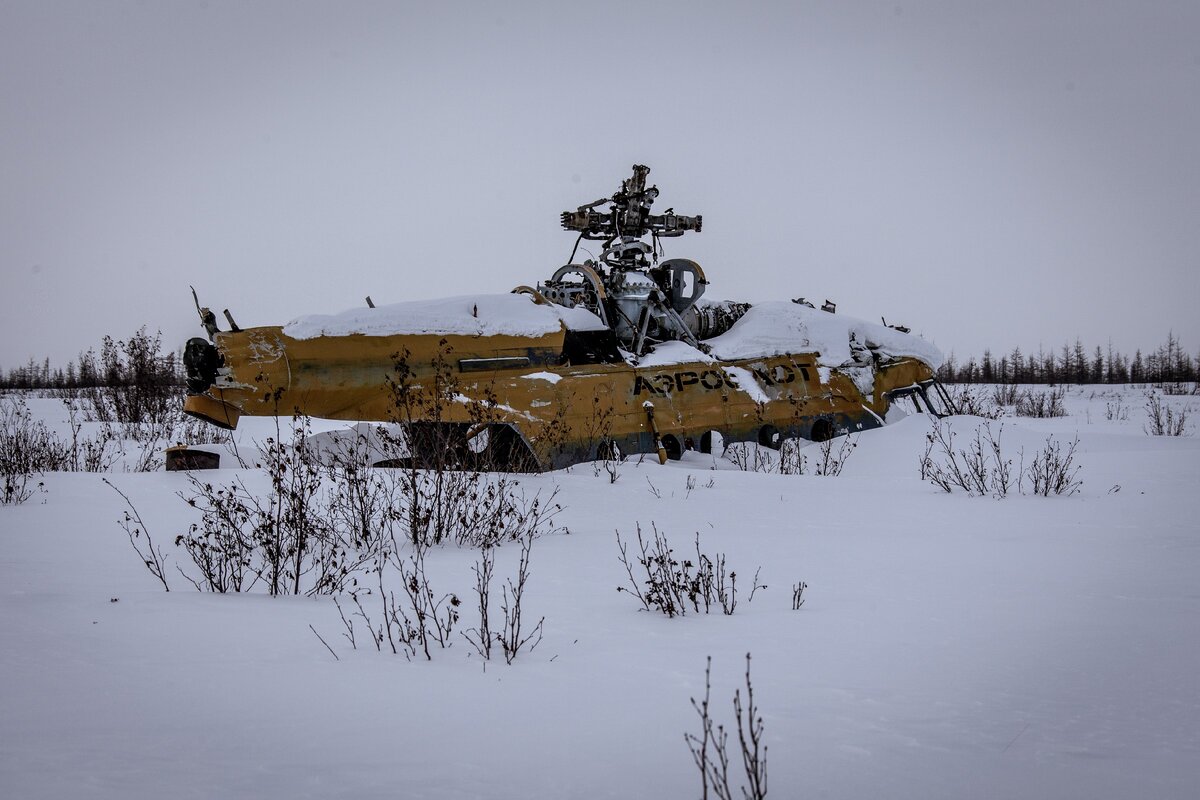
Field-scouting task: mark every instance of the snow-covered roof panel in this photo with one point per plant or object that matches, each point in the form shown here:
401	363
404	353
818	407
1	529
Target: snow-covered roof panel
672	352
779	327
467	315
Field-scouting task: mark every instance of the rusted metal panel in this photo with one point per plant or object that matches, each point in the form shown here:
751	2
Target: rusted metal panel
348	377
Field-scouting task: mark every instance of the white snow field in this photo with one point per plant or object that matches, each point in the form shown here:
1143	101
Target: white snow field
949	646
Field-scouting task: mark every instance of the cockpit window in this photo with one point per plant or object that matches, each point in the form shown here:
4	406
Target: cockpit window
937	399
924	398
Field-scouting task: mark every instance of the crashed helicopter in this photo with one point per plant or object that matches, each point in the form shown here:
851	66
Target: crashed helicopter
608	357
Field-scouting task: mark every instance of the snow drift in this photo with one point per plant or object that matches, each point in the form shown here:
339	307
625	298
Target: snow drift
466	315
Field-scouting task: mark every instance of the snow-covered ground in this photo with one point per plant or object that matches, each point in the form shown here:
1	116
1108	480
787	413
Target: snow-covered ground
949	646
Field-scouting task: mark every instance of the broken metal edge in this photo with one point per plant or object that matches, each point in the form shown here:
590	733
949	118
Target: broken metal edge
216	412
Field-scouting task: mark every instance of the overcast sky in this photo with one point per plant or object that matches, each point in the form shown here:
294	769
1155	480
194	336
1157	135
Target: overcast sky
991	174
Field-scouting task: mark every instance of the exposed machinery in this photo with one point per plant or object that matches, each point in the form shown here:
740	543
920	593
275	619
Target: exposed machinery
619	354
642	300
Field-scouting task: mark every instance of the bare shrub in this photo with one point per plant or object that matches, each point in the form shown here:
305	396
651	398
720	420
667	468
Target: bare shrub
511	638
420	621
1178	388
411	624
286	537
752	457
27	449
982	468
328	521
135	529
597	433
1053	470
474	509
798	595
443	489
1162	419
138	382
832	462
609	460
222	545
1116	410
710	750
16	488
289	524
974	402
1042	405
979	469
791	458
482	637
361	506
331	523
134	446
671	585
433	616
1005	394
98	453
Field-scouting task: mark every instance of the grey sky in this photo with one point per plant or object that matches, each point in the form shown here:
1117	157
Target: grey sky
992	174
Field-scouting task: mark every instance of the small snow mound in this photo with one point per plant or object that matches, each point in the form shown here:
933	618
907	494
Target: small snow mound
549	377
673	352
748	383
781	327
467	315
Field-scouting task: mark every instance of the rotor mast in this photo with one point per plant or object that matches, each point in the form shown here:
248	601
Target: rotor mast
642	300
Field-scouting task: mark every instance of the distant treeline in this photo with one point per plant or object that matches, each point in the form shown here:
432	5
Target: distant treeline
136	361
1170	363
